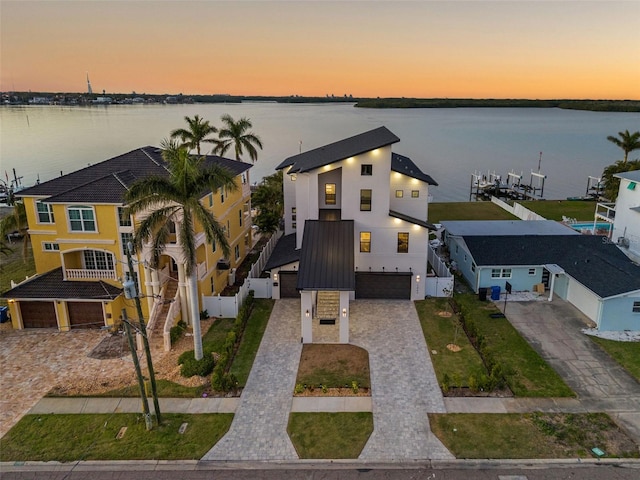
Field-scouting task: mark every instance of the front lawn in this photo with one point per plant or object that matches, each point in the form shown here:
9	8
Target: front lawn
626	354
439	330
526	373
67	438
531	435
330	435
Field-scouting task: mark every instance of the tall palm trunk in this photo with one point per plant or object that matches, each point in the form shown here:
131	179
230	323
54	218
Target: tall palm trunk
192	283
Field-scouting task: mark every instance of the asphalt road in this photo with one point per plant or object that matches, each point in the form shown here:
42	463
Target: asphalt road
199	471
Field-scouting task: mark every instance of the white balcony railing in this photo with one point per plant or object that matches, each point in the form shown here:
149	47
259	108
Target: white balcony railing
82	274
606	211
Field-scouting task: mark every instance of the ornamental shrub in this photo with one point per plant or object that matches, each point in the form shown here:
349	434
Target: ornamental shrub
189	366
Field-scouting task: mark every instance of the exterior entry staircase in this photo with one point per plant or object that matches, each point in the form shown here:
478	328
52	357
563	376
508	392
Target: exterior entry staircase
328	306
157	334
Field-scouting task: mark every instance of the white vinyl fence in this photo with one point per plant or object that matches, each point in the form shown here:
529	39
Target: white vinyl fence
442	284
523	213
228	307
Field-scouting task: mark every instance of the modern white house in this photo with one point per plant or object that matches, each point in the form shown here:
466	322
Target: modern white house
588	271
624	214
355	227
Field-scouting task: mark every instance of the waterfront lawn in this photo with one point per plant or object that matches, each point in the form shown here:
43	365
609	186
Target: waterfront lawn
531	435
330	435
453	369
467	211
526	373
67	438
555	209
626	354
256	325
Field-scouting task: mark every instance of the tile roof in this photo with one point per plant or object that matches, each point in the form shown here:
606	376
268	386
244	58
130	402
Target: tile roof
51	285
327	259
592	260
284	253
340	150
107	181
404	165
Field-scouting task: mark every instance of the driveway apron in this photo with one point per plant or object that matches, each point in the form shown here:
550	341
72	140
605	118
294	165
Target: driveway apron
259	427
404	387
554	330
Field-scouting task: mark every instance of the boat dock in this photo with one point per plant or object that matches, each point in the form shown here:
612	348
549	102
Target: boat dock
484	186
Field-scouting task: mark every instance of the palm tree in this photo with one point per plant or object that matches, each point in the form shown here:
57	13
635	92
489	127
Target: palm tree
237	134
175	200
197	132
17	221
628	142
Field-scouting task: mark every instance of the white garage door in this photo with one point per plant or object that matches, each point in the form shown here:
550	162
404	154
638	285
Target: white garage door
583	299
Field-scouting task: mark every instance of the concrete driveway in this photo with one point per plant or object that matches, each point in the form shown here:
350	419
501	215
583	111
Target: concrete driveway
554	329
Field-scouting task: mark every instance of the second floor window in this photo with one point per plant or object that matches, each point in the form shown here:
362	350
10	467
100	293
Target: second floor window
237	252
399	193
403	242
366	169
125	220
240	217
45	212
97	260
365	200
82	219
330	194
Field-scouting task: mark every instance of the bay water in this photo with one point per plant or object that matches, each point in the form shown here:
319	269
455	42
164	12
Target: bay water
41	142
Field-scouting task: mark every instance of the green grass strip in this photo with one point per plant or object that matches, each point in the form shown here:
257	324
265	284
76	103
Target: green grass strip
330	435
527	374
627	354
66	438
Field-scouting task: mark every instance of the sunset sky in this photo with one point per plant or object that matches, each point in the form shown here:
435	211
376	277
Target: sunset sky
478	49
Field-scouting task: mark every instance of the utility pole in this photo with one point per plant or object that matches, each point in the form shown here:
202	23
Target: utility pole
143	332
136	364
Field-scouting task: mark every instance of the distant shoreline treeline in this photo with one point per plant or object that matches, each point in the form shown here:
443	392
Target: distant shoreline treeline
25	98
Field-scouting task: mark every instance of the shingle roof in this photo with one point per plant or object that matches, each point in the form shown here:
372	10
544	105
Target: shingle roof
340	150
506	227
107	181
327	259
404	165
596	263
52	285
284	252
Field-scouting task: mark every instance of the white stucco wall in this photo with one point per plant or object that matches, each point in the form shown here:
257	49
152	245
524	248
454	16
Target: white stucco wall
627	221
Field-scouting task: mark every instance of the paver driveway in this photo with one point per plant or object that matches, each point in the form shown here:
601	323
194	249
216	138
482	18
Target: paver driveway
404	387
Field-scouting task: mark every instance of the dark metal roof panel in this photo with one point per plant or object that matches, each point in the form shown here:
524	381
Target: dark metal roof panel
415	221
51	285
599	265
340	150
327	259
284	252
405	166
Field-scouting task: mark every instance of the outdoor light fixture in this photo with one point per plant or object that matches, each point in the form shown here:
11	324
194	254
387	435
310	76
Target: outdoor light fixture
275	277
418	278
307	314
344	312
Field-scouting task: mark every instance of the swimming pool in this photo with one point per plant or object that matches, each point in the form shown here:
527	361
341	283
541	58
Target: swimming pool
589	225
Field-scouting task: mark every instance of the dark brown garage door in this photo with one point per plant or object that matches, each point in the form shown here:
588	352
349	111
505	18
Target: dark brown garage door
85	314
288	284
38	315
383	285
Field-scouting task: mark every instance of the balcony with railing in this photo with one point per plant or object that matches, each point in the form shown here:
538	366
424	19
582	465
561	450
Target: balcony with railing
606	212
85	274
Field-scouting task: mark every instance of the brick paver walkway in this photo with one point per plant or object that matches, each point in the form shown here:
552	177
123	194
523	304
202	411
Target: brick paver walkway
259	428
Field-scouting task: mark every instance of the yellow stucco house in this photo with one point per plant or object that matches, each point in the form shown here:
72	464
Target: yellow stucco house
79	233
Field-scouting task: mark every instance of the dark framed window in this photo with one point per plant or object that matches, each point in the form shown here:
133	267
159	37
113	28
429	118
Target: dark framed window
125	220
399	193
330	194
403	242
636	307
365	200
415	193
365	242
366	169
